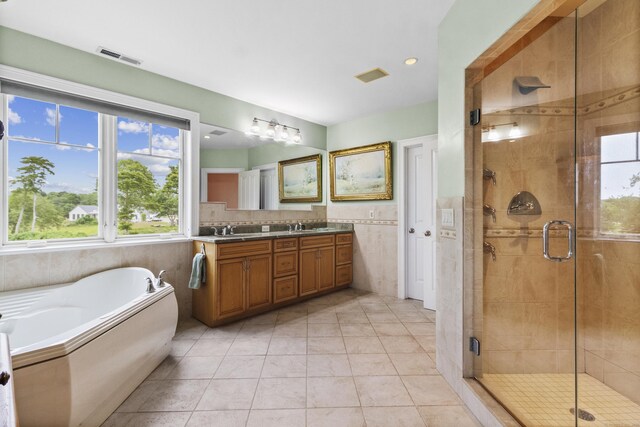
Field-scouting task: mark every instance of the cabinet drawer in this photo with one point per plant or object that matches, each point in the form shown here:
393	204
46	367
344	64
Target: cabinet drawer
345	238
285	288
281	245
344	274
344	254
241	249
285	263
315	241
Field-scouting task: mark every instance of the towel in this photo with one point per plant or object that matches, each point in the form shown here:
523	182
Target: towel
198	271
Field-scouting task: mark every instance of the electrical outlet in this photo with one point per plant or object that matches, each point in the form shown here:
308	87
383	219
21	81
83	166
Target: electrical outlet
265	228
372	214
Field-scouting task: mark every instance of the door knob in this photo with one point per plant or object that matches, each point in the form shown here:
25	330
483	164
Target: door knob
412	230
427	233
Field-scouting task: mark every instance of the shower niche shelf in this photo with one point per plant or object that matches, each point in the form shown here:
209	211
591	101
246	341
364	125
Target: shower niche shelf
524	203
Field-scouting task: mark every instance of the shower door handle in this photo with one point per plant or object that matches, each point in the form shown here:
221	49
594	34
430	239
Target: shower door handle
545	241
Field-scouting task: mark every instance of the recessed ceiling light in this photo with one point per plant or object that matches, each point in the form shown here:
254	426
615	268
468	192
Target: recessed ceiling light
207	137
410	61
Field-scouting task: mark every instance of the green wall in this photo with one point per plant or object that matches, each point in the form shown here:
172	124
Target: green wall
273	153
396	125
231	158
467	31
42	56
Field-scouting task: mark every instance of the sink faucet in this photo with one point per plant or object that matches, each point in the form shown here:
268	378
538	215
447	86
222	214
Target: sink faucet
299	226
215	230
150	288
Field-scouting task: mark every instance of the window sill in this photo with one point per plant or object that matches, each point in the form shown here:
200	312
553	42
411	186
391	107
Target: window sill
58	247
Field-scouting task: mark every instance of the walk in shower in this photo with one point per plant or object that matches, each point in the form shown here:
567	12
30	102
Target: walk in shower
559	143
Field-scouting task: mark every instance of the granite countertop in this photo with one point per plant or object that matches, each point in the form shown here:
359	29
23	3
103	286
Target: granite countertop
243	237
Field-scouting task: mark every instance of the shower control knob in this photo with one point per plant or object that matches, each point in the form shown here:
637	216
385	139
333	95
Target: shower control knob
412	230
4	378
427	233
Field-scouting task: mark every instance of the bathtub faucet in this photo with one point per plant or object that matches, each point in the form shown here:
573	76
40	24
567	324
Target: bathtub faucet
150	288
160	279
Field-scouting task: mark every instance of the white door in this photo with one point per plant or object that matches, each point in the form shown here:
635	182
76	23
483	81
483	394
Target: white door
249	190
420	222
269	189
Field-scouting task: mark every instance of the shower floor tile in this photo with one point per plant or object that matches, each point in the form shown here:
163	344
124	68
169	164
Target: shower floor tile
542	400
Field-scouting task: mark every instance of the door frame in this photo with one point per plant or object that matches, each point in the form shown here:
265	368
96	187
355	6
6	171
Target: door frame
204	172
403	147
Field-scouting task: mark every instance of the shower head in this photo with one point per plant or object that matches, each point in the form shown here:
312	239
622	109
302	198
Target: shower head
527	84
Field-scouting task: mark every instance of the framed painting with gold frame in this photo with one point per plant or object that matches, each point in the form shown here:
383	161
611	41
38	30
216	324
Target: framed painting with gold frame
361	173
300	180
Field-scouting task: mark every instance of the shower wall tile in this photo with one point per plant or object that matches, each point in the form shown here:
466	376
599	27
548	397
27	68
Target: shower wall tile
41	269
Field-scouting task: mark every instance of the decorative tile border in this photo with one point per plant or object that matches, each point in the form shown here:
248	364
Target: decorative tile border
364	221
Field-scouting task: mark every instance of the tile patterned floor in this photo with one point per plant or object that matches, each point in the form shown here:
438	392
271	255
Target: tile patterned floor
341	360
540	400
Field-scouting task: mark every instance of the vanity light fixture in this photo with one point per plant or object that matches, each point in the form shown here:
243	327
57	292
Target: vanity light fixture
207	137
411	61
275	131
515	131
494	135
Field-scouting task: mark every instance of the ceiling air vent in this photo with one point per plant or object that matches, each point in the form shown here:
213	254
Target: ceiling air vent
369	76
217	132
110	53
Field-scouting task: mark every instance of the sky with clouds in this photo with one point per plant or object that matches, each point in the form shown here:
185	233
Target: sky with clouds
75	155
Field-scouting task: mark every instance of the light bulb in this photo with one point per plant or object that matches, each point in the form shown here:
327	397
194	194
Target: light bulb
515	131
297	138
493	134
271	131
284	133
255	127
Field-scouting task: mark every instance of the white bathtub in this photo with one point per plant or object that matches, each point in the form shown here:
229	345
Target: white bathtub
78	350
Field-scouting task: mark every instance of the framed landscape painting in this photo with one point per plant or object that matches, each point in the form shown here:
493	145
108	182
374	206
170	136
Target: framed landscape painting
300	180
361	173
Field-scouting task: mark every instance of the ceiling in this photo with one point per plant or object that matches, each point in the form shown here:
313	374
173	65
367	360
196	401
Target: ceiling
294	56
212	136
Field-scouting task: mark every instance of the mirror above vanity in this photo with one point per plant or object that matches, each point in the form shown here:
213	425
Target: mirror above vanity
242	171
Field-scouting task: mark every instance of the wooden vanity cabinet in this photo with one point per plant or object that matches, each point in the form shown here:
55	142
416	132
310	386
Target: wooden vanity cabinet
344	259
254	276
317	264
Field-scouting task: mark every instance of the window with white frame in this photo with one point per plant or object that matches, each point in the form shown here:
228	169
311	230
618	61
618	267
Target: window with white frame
78	169
620	183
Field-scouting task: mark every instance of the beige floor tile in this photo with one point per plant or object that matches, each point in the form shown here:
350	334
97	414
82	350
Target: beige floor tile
277	418
430	390
150	419
249	346
180	347
190	329
357	330
382	318
445	416
290	329
411	317
363	345
328	365
287	345
403	307
350	317
281	393
382	391
218	419
429	315
263	319
164	369
217	347
421	328
376	308
349	307
335	417
175	395
324	330
397	417
228	394
196	367
413	364
139	396
226	331
286	317
325	345
284	367
371	364
255	331
390	329
322	317
331	392
240	367
428	343
401	344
